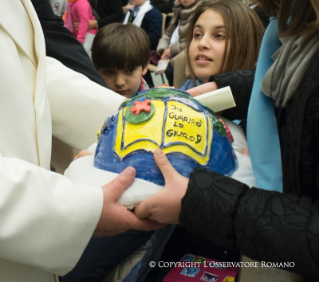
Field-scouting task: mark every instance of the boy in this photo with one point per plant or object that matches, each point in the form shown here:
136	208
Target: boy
121	54
147	17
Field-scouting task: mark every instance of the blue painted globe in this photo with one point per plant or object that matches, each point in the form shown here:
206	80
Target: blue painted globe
188	133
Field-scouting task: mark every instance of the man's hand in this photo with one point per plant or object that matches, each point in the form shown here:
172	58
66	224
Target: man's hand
166	55
165	205
201	89
115	218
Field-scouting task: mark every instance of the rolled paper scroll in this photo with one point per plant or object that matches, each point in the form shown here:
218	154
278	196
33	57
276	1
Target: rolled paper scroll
218	100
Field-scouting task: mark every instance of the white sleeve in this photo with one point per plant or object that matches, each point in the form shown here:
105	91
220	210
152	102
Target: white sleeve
46	219
76	100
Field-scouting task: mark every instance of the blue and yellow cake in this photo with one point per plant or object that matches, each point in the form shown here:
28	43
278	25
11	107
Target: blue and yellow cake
187	132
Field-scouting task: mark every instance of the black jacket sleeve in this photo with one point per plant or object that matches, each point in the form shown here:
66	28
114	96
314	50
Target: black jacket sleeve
62	45
241	84
263	225
152	25
110	11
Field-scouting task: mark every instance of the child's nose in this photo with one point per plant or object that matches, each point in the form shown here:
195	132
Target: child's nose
120	81
204	43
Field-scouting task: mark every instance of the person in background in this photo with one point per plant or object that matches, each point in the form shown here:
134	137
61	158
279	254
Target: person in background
278	221
59	7
79	11
173	40
120	53
144	15
107	12
163	6
62	45
124	2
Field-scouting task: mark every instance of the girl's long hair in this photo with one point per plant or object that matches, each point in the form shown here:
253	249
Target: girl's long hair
294	16
244	32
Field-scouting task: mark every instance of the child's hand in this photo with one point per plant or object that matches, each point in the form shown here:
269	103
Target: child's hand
166	54
202	89
165	205
76	25
83	153
92	24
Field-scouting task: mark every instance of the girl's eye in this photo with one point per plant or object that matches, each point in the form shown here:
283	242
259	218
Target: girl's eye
197	35
220	36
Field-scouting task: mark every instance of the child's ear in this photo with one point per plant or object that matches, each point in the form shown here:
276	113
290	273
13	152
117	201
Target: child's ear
145	69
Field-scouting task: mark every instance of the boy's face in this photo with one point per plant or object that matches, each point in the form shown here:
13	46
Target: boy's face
124	82
137	2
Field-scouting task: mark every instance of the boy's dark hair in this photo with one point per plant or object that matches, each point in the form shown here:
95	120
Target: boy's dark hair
118	46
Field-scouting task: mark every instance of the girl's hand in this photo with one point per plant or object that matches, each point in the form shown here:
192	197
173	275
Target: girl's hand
165	205
201	89
166	54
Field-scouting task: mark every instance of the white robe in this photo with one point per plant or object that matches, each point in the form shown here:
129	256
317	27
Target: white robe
46	220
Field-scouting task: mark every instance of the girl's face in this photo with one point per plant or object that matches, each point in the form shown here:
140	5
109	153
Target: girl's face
187	3
207	48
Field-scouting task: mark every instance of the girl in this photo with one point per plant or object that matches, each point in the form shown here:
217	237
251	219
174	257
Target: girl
228	35
263	224
223	36
219	33
80	11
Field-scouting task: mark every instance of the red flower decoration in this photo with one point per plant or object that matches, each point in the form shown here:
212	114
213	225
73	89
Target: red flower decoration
141	106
